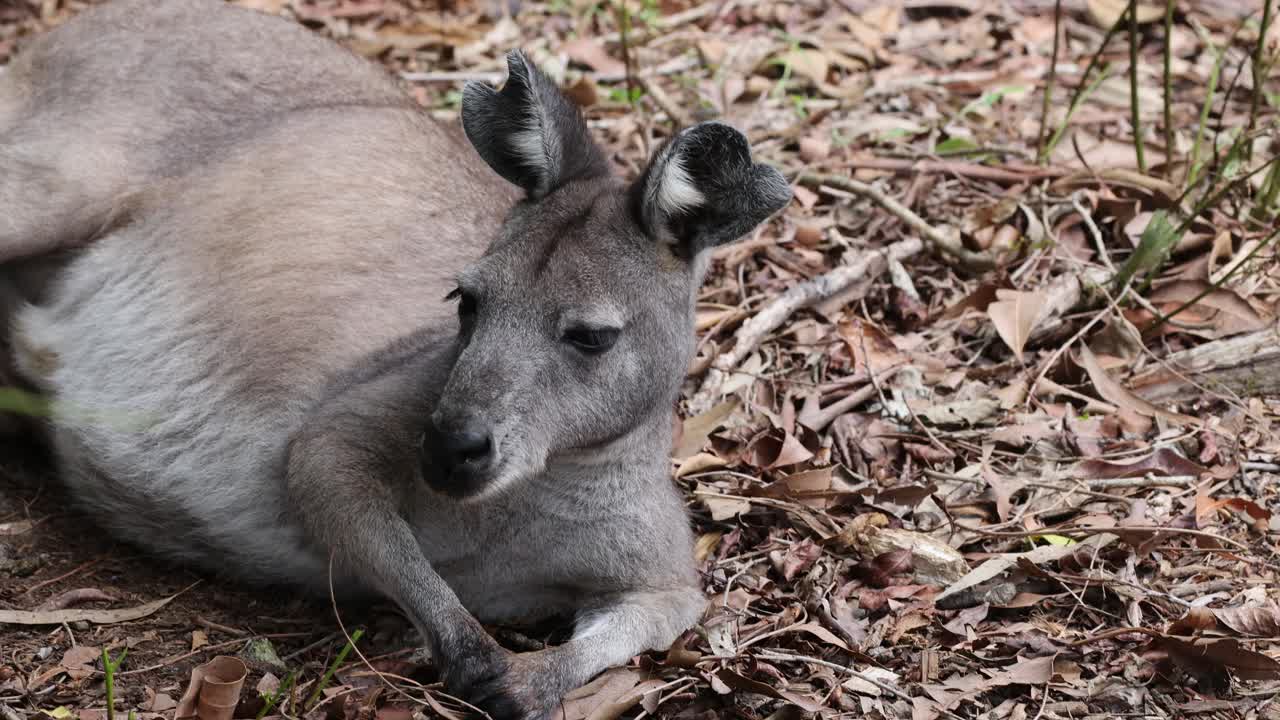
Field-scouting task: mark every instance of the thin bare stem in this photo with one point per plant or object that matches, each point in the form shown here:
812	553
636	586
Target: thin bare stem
1041	154
1135	110
1168	88
1259	70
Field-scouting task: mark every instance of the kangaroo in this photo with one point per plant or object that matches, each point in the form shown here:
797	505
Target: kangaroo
294	328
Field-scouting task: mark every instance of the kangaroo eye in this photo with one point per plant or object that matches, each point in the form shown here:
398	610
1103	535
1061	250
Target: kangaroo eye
592	341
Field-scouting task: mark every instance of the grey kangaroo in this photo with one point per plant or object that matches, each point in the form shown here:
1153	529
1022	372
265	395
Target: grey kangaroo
290	324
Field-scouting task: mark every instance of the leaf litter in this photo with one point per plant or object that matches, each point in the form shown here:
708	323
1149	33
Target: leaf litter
984	424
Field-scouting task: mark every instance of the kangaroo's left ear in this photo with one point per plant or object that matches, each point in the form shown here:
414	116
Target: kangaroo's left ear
529	132
701	189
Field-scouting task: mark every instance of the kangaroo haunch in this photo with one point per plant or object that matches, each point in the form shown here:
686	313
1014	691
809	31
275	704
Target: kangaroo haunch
285	316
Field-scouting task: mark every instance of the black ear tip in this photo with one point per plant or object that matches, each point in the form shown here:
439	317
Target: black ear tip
476	90
714	131
775	191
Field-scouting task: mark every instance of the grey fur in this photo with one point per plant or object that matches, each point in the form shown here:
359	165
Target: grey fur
224	244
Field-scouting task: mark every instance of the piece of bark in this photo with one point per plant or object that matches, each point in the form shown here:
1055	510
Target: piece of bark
214	690
1245	365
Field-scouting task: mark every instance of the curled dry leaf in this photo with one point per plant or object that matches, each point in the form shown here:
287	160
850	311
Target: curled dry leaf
214	690
933	561
1219	313
74	597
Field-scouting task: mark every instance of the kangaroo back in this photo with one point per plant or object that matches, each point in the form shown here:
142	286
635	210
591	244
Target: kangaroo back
101	108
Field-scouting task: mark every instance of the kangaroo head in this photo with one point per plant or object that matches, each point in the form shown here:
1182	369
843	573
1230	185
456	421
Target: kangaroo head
576	325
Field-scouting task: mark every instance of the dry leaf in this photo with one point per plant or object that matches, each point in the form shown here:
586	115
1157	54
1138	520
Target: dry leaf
591	52
933	562
698	428
1251	621
812	65
722	507
1014	314
1105	13
1116	394
97	617
1219	313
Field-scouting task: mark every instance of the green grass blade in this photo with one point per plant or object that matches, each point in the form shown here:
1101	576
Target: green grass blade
1157	241
333	667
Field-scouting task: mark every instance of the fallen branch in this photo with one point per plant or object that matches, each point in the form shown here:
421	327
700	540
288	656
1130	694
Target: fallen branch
772	316
945	239
1245	365
665	102
974	170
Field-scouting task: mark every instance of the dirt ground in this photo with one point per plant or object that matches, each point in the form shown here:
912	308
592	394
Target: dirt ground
986	424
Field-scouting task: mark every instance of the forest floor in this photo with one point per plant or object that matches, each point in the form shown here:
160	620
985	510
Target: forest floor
985	424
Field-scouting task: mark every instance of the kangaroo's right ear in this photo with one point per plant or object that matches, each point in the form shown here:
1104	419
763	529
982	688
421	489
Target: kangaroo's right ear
702	189
530	133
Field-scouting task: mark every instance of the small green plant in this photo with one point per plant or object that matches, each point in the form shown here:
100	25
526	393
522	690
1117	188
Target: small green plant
800	104
109	670
1214	73
333	667
272	699
1158	240
623	95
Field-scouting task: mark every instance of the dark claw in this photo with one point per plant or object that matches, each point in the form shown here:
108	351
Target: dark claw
506	686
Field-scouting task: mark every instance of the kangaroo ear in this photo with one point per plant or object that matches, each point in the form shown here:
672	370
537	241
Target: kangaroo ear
701	189
530	133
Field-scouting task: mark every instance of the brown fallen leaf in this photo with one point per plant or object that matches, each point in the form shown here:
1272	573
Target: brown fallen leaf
1260	516
769	452
1105	13
740	682
97	617
607	697
1251	621
1014	315
722	507
1163	462
1117	394
592	53
78	662
214	690
1219	313
699	427
1210	656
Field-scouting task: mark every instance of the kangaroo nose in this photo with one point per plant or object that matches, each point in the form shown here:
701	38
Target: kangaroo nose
467	446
